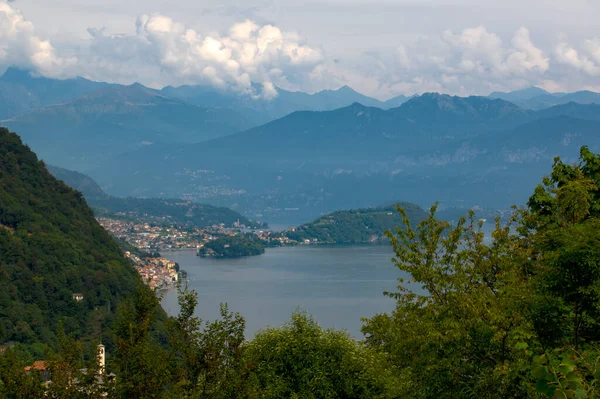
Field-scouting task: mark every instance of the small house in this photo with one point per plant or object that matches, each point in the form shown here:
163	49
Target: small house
78	297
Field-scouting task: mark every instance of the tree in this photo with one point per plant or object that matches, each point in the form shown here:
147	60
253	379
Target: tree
484	310
14	382
301	360
141	362
455	335
208	356
562	223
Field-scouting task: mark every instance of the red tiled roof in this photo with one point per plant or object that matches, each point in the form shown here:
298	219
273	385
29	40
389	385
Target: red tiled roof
38	365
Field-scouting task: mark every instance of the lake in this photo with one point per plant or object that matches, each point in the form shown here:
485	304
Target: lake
336	284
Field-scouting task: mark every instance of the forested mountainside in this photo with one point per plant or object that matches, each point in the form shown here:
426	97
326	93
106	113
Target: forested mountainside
356	226
51	247
78	181
151	210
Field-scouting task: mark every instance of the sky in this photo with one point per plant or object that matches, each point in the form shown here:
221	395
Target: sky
381	48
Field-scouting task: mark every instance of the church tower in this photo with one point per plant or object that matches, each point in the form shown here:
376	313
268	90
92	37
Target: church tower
101	358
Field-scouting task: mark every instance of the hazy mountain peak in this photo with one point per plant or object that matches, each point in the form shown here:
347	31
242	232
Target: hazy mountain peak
136	93
16	75
138	85
518	95
346	89
460	109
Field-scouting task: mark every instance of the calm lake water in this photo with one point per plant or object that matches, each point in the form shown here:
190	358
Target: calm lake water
336	284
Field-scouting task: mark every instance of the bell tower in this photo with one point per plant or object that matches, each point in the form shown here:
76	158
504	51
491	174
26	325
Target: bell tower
101	358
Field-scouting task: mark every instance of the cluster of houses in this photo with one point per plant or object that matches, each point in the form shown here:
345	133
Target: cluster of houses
157	273
46	371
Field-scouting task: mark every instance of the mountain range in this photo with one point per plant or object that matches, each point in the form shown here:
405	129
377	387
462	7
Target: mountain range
462	151
300	155
536	98
116	119
77	123
285	103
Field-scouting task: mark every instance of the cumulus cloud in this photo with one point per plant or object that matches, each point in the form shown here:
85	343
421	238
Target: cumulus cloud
248	53
473	60
586	60
20	46
255	59
476	50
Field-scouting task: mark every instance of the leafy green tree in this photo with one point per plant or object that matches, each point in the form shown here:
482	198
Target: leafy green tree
15	383
484	310
208	356
567	374
455	336
562	223
141	361
301	360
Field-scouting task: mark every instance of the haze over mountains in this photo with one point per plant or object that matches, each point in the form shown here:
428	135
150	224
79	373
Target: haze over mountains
536	98
299	155
461	151
150	210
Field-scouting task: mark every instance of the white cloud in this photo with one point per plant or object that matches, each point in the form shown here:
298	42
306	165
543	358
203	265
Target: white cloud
20	46
475	50
248	53
588	60
158	50
473	60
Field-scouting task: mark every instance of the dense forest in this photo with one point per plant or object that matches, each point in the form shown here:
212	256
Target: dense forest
151	210
51	247
356	226
233	247
514	317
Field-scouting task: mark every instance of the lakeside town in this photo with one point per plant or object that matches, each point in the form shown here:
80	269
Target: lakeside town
146	240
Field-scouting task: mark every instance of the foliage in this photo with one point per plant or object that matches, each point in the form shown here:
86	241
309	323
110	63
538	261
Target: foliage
456	335
301	360
52	247
140	358
565	373
208	356
355	226
14	383
233	247
515	317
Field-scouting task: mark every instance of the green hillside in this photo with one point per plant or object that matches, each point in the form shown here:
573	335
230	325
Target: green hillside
232	247
50	248
356	226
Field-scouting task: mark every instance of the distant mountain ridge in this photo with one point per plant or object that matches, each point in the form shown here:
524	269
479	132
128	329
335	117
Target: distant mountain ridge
142	142
285	103
469	149
21	92
77	123
152	210
538	99
116	119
